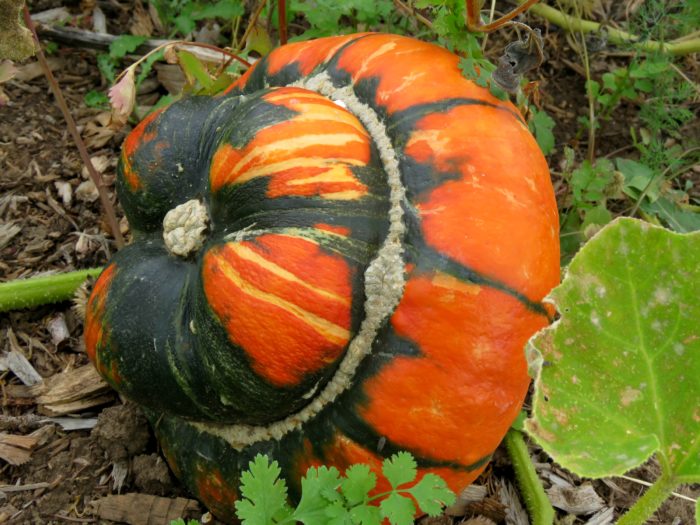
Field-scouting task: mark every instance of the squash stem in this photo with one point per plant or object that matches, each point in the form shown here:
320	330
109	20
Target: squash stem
644	507
536	501
46	289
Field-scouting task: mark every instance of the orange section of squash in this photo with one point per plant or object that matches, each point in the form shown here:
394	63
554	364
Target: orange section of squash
454	402
310	154
307	55
338	230
217	493
96	330
284	301
406	70
136	138
500	217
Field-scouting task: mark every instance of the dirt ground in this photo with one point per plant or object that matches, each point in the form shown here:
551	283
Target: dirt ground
59	226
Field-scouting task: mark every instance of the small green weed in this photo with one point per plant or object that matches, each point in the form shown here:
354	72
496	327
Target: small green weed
541	125
181	16
327	497
96	99
108	63
653	83
329	17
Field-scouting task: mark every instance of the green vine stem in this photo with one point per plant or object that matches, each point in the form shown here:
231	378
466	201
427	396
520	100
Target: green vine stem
644	507
35	291
571	23
536	501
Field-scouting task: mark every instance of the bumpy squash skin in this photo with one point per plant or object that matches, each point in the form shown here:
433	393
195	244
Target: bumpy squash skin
252	327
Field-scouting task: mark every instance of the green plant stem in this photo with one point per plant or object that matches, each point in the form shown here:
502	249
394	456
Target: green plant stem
35	291
615	36
652	499
536	501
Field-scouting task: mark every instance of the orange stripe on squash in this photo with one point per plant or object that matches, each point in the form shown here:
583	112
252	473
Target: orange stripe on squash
215	491
308	155
307	55
96	328
338	230
282	300
408	72
95	312
278	280
133	141
469	382
500	217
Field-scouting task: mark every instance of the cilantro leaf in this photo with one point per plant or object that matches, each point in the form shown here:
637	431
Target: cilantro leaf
366	515
398	509
337	514
264	494
431	493
317	489
359	480
399	469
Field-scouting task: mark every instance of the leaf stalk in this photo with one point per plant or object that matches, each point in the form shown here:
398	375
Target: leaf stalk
36	291
538	506
652	499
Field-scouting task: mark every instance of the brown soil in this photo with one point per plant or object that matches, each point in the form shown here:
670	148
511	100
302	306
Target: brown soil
43	191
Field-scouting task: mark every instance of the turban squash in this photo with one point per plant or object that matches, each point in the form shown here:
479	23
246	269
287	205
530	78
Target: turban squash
340	257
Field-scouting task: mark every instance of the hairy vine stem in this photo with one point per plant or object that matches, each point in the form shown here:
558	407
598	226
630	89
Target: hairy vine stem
46	289
644	507
538	506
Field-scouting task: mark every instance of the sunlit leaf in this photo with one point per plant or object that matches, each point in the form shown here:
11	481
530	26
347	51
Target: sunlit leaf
264	494
399	469
622	374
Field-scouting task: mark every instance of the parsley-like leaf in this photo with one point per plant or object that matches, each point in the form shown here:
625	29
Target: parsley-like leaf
316	487
431	493
399	469
398	509
264	494
337	514
366	515
359	480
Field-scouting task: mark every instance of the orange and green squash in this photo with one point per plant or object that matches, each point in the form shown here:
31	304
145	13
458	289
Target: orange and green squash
340	257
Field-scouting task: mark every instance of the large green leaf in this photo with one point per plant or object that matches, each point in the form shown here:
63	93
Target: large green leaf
621	374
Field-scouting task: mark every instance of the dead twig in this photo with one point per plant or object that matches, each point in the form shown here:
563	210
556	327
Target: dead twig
94	175
251	24
410	11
